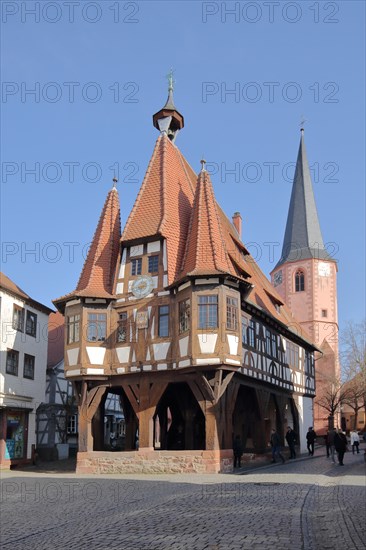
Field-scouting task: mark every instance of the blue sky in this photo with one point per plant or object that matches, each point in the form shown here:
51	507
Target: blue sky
98	74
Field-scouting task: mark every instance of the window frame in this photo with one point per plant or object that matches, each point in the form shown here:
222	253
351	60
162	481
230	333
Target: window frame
18	314
72	424
163	316
73	328
29	376
122	325
136	266
31	326
299	280
232	313
96	323
184	315
16	355
207	310
154	258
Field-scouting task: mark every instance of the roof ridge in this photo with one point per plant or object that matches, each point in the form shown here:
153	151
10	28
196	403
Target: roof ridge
142	188
163	183
104	238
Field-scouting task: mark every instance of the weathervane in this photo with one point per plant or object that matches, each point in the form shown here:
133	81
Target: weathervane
302	123
171	80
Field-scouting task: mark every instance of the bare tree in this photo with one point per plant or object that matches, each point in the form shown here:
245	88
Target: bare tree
353	359
334	392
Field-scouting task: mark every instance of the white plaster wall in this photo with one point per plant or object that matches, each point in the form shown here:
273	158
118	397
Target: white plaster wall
233	341
153	247
183	346
306	419
123	265
207	342
161	350
96	355
136	250
72	356
123	354
17	391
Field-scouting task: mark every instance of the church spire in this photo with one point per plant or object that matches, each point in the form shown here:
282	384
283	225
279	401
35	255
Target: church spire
168	120
303	238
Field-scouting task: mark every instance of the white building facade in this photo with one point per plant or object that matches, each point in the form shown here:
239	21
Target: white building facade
23	361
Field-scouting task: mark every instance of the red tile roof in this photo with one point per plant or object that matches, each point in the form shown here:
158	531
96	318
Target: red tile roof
205	251
164	203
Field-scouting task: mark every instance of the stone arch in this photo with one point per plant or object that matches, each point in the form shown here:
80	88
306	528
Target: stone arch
179	423
115	424
246	418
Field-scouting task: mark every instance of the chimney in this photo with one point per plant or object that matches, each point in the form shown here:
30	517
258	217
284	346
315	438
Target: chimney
237	222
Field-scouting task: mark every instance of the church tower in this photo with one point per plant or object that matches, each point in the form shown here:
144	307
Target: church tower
305	277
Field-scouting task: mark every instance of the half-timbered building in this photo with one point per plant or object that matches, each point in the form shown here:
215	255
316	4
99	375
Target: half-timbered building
174	317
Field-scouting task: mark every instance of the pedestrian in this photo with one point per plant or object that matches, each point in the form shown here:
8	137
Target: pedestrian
340	443
326	441
331	434
310	438
291	441
238	451
355	441
276	446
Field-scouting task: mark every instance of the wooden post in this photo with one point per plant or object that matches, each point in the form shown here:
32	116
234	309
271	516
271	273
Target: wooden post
212	440
146	428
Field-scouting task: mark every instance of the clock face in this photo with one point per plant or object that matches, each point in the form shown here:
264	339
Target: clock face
323	269
277	278
142	286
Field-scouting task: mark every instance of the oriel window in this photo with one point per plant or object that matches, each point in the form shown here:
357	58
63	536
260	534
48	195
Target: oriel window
73	329
231	313
97	327
208	311
184	315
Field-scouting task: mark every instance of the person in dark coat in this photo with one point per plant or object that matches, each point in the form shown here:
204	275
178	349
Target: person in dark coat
310	438
276	446
291	441
238	451
340	443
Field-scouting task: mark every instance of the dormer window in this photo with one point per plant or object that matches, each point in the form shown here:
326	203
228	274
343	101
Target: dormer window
136	266
299	281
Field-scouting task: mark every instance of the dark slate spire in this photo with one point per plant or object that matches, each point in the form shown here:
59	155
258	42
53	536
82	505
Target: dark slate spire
169	120
303	238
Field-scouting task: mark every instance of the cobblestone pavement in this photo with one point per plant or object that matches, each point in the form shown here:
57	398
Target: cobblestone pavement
303	504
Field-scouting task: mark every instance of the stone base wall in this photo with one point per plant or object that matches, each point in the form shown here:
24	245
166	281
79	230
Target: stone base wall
148	461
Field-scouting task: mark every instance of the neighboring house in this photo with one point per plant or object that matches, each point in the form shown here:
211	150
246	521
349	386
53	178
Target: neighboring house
57	414
23	362
175	318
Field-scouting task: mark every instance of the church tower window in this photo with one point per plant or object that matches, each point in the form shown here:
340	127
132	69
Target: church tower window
299	281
